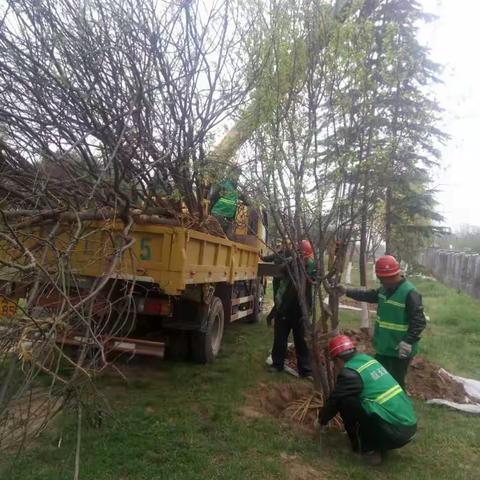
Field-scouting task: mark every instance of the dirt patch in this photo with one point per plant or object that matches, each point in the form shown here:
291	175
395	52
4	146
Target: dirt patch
275	399
295	403
250	412
298	470
27	417
202	411
362	340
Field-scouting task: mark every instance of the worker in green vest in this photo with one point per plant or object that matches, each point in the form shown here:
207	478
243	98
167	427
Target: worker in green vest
376	412
400	317
224	198
280	256
287	313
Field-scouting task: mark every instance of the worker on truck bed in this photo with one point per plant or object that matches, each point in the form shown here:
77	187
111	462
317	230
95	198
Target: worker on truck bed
400	317
288	316
224	198
376	412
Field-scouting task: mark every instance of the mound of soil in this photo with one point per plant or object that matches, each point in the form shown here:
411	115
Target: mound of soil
425	382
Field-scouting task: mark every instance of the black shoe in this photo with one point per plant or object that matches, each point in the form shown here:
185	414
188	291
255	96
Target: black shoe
305	374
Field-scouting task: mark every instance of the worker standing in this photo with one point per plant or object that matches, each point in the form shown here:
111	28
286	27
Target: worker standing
224	198
400	317
288	316
376	412
280	256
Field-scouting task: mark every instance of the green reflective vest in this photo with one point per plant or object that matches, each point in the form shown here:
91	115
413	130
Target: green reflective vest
381	394
284	282
226	205
391	325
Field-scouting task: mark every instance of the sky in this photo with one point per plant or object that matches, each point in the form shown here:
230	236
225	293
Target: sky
454	40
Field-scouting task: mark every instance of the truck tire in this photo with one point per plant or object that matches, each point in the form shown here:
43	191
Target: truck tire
206	345
255	317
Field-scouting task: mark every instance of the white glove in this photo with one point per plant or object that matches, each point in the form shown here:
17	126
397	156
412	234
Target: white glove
404	350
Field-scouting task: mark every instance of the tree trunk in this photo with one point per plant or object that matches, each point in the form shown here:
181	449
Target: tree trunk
362	259
348	274
388	221
363	250
364	318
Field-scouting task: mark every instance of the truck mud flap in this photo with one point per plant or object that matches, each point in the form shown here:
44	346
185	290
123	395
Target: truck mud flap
190	319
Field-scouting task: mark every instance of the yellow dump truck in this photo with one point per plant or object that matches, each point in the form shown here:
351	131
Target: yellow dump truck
182	285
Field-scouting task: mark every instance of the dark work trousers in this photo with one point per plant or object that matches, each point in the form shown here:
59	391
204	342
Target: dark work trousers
281	330
396	367
370	432
228	225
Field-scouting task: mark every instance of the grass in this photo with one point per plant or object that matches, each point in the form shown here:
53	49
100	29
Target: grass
452	337
182	421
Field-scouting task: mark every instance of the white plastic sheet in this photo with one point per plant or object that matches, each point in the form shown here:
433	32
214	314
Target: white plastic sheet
463	407
472	389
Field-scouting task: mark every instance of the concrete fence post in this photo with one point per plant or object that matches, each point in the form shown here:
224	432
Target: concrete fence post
470	274
463	280
450	269
458	270
476	278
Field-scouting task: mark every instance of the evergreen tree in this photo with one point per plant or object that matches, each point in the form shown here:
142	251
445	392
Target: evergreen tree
409	142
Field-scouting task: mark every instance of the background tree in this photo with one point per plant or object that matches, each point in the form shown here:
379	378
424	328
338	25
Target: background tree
411	137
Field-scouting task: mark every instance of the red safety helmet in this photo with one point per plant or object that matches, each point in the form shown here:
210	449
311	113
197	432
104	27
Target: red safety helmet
387	266
307	249
340	344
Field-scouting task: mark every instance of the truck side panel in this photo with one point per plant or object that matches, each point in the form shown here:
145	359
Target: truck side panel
149	259
172	257
212	259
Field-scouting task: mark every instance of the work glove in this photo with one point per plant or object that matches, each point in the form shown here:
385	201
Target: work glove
404	350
